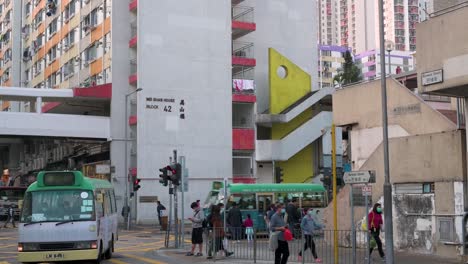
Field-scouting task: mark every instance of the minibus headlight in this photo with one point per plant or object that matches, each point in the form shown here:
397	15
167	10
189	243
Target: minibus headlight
83	245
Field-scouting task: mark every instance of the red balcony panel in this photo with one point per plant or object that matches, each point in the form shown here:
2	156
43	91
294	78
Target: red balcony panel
243	139
244	25
243	61
243	180
133	79
132	120
98	91
133	5
244	98
133	42
49	106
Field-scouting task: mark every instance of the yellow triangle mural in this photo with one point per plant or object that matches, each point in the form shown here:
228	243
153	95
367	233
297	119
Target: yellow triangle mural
288	82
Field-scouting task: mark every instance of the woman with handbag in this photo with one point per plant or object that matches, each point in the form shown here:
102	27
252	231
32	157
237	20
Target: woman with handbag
277	224
375	225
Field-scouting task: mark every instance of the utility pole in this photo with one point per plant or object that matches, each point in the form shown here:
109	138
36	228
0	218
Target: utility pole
387	186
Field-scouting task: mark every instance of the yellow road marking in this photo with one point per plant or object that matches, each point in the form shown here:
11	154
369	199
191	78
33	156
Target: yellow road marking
152	261
116	261
10	245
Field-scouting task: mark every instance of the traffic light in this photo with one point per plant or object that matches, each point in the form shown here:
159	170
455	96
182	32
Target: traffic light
279	175
163	177
176	173
136	185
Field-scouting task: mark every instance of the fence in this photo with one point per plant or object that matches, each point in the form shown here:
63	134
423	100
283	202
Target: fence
256	249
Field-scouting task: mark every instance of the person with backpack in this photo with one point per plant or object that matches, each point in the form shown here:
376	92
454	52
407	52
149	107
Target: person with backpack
234	219
159	209
10	217
197	230
375	225
308	225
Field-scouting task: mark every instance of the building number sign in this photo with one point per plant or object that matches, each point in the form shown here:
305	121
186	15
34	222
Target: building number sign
167	105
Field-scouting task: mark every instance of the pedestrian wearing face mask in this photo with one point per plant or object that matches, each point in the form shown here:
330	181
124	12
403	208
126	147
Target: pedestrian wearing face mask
277	223
375	225
308	225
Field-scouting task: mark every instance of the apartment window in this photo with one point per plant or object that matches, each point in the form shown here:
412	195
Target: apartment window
6	75
107	43
1	9
39	42
27	9
27	75
52	80
52	54
107	78
7	55
68	69
89	55
52	28
6	37
37	68
70	10
38	19
69	40
25	31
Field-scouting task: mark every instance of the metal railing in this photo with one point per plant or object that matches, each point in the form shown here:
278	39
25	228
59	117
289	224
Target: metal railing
236	246
243	14
243	49
243	72
133	28
133	66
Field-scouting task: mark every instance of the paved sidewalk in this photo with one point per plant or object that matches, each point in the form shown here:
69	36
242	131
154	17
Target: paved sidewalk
400	258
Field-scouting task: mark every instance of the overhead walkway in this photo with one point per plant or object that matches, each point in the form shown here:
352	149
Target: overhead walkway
55	125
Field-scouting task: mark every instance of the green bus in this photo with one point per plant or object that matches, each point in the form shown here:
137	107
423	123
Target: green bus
255	199
67	216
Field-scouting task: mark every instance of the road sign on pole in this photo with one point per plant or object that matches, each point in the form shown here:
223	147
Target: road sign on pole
353	177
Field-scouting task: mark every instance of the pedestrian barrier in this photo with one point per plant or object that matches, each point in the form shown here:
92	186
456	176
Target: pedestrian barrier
256	248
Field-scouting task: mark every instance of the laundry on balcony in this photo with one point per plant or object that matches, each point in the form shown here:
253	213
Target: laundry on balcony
241	85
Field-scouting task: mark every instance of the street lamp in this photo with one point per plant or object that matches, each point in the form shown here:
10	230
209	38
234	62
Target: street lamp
389	46
387	188
126	153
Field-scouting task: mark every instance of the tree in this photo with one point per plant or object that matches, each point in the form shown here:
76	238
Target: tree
349	73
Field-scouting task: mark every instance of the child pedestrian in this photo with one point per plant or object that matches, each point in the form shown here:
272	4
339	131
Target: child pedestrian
248	223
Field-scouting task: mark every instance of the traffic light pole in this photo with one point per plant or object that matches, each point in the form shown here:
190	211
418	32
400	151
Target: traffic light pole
176	205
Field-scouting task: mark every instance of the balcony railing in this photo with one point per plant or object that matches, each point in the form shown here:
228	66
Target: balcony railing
133	28
243	49
242	166
133	66
243	14
243	72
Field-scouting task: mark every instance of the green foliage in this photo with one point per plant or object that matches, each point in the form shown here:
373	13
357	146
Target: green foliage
349	73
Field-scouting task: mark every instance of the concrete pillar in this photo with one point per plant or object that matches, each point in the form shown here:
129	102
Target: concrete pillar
39	105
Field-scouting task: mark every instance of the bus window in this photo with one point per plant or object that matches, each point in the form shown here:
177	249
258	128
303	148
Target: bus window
244	201
315	200
60	205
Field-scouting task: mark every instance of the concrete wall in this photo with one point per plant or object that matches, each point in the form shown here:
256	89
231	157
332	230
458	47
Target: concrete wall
360	105
438	158
121	69
447	51
290	27
187	56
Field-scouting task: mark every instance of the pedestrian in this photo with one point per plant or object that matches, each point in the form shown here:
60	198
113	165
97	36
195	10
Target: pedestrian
197	230
234	219
10	216
248	223
269	214
159	209
277	223
294	216
308	225
217	233
375	225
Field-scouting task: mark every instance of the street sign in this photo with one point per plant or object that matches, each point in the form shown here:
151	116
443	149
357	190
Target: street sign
367	190
103	168
353	177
